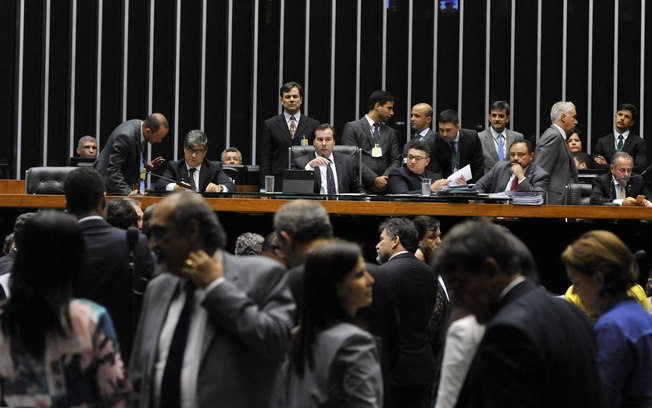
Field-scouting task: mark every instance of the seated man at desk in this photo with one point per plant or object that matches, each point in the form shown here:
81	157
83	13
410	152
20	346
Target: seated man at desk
407	180
520	173
620	186
335	173
194	170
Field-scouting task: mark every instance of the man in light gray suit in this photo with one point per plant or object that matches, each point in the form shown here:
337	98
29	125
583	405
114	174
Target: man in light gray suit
517	174
214	327
497	139
552	153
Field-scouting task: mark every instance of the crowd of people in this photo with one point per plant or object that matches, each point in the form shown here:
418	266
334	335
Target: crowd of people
162	314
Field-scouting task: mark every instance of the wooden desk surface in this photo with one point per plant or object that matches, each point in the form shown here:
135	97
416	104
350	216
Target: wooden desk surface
383	208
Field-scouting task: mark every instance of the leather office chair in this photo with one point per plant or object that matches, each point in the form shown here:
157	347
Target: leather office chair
578	194
46	180
355	151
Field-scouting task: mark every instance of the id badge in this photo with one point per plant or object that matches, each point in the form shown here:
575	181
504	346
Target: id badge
376	151
304	141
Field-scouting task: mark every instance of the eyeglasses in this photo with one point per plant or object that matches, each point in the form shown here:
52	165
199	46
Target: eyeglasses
197	152
415	158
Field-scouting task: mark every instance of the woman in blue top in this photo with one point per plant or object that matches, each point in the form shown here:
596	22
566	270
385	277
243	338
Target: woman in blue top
602	268
56	351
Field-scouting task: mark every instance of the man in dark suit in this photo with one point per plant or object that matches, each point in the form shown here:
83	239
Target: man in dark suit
552	153
207	176
107	277
405	291
282	131
421	123
379	143
407	180
631	143
520	173
123	158
343	168
216	327
454	148
7	261
538	350
497	139
620	186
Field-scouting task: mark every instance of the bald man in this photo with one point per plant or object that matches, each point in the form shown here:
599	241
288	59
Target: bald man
421	122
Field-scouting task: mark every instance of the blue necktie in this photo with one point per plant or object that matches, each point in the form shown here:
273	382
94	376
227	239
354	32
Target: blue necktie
330	180
171	382
501	147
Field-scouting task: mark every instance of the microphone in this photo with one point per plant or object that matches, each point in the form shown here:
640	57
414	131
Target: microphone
178	183
132	240
646	169
640	255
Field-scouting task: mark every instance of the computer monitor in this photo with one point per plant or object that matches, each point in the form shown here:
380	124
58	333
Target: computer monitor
299	181
252	175
81	162
235	173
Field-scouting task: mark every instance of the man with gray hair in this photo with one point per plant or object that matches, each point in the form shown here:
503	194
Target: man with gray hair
194	172
553	155
87	147
231	156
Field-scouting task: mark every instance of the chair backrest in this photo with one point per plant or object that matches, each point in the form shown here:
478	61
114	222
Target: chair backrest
355	151
46	180
578	194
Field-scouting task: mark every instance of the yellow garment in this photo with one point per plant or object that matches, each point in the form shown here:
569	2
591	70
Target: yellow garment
636	291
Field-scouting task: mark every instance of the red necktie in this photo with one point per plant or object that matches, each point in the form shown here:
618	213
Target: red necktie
514	185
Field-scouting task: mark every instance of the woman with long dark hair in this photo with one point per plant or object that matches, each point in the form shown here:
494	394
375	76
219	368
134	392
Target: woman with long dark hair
56	351
333	362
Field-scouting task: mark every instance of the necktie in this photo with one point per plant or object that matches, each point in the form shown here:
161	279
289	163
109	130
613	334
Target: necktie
621	192
171	382
455	158
375	137
193	186
501	147
514	185
293	125
621	142
330	181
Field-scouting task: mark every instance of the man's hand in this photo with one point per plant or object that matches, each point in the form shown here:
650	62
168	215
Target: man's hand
154	163
381	182
439	184
213	188
202	268
319	161
600	160
518	171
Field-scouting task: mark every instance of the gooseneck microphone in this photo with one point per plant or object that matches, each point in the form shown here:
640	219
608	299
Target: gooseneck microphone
178	183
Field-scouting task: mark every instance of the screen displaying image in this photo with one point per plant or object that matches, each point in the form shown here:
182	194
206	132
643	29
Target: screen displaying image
449	5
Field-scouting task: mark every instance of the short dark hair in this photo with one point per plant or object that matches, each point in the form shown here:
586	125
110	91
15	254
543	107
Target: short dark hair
420	145
583	157
84	190
195	138
379	96
287	87
155	121
405	230
526	142
424	223
629	107
325	126
500	105
448	116
121	214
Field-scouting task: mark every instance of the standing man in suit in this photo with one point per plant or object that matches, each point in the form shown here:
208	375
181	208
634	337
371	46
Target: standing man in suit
407	179
454	148
216	327
497	139
194	170
334	172
405	292
620	186
421	122
379	143
622	140
553	155
538	350
123	158
107	277
520	173
282	131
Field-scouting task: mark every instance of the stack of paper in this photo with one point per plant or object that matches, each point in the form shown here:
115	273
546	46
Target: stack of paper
523	198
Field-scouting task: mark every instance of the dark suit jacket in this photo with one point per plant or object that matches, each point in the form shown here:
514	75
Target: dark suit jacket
275	140
106	278
358	133
635	145
345	166
470	150
405	291
553	156
537	351
210	172
7	262
403	181
247	334
536	179
431	133
118	162
603	189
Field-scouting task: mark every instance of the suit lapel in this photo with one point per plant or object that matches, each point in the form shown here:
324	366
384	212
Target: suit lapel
282	124
203	172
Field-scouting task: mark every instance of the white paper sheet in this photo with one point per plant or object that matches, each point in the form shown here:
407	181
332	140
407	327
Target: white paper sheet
463	172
